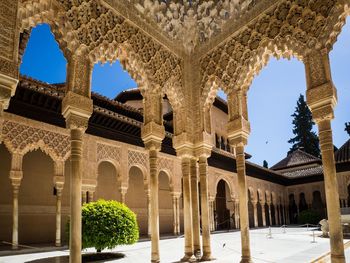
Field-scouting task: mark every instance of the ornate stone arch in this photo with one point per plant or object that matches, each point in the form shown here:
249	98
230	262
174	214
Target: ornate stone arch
261	195
228	181
34	12
170	177
144	174
21	139
335	22
252	193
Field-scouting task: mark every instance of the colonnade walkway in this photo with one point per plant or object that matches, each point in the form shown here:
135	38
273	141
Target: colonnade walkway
288	246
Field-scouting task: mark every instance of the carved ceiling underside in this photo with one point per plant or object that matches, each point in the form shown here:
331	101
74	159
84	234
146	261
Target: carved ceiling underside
232	39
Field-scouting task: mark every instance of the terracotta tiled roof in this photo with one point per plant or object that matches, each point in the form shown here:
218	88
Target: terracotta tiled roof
343	154
296	158
304	172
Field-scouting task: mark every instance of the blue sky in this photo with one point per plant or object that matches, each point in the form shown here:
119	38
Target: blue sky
271	98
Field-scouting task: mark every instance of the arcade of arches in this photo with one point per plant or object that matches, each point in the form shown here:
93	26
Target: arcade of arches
164	165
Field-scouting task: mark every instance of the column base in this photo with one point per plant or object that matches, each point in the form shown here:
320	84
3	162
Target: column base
188	258
14	247
246	260
58	245
207	258
155	260
338	258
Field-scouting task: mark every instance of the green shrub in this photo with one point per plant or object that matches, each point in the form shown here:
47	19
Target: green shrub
309	217
106	224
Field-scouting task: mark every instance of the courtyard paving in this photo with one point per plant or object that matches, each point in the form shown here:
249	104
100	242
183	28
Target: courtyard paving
294	246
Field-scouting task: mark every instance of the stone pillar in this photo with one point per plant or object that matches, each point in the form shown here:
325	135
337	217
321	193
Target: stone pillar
185	163
270	215
212	223
276	214
176	213
154	216
243	204
237	214
321	98
203	173
91	196
83	197
195	207
238	131
149	223
152	136
256	224
58	183
123	191
76	109
16	175
263	213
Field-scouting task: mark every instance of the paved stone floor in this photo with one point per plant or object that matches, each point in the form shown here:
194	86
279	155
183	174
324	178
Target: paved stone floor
294	246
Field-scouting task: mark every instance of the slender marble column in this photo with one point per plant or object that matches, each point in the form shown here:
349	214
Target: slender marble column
331	186
174	215
149	231
15	217
16	176
58	216
263	213
195	207
270	215
185	163
255	213
91	196
178	230
83	197
154	217
123	191
75	200
243	204
276	214
203	173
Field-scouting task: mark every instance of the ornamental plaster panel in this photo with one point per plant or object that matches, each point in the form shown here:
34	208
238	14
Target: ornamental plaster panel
21	138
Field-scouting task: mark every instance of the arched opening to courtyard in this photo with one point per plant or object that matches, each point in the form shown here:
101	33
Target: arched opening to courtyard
224	206
37	200
136	197
5	196
108	182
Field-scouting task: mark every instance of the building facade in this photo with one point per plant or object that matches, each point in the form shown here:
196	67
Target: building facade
115	167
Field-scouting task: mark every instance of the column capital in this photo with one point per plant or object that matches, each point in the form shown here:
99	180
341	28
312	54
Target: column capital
238	131
7	89
88	184
203	149
321	95
58	181
152	135
16	177
183	145
77	110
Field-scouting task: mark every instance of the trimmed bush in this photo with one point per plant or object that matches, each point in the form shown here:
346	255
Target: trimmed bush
107	224
309	217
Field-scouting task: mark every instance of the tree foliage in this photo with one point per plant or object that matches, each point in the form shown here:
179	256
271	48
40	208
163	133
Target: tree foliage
265	164
347	127
106	224
304	138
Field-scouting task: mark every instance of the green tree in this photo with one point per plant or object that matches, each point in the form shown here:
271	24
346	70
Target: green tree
265	164
302	129
106	224
347	127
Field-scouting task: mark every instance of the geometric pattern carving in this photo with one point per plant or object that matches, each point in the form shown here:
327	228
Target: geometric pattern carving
108	152
21	138
165	164
137	158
